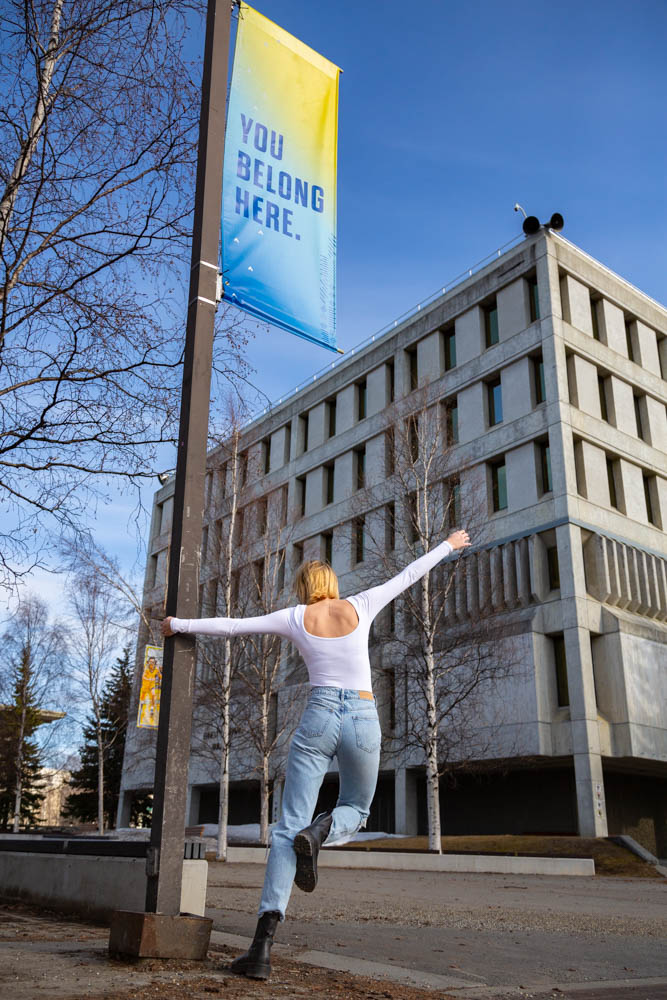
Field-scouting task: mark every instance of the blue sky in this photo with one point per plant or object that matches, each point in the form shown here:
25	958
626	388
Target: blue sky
449	114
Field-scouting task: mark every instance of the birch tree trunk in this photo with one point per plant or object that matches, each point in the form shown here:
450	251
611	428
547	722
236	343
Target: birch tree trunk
264	777
432	771
100	779
19	772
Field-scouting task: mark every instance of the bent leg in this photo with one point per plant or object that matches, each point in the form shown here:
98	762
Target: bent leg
358	755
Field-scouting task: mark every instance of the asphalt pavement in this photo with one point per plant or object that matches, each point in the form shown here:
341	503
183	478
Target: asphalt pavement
469	935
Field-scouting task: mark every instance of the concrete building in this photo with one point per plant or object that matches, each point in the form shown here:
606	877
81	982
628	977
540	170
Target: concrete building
557	369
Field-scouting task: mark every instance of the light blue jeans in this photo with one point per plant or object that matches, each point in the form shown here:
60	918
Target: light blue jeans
336	723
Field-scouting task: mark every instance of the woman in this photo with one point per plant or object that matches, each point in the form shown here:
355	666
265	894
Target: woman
340	720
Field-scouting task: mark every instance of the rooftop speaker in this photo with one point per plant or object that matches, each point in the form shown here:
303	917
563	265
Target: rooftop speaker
532	224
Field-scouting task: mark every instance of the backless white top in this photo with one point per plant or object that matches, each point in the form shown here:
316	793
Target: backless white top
340	661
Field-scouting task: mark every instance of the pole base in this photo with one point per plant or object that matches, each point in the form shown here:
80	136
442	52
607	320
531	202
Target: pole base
158	935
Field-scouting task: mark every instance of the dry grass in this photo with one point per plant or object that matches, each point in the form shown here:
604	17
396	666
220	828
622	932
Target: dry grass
610	858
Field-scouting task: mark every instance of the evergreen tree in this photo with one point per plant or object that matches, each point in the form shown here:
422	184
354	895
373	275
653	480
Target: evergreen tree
114	709
20	756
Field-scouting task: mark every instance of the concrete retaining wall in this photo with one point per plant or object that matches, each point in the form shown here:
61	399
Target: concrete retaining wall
395	861
90	885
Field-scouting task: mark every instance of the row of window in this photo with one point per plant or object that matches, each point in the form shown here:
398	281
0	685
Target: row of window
631	336
616	491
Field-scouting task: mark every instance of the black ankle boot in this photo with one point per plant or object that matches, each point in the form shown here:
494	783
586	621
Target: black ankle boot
307	845
256	963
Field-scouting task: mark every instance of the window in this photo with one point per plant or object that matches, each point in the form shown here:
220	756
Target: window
611	480
262	512
389	452
327	546
329	484
390	527
390	675
629	339
414	517
491	324
301	496
546	482
553	568
331	417
266	456
235	587
449	337
297	554
412	430
533	299
361	399
495	402
280	575
538	380
208	488
638	417
258	574
360	467
284	499
595	318
243	462
413	370
560	664
303	433
451	414
651	507
454	503
152	571
390	381
602	390
359	540
239	526
499	486
288	443
222	481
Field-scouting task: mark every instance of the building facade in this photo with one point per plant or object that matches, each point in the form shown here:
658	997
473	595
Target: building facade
553	369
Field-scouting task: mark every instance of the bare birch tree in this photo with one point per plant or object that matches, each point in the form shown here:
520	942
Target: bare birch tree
98	132
95	641
444	664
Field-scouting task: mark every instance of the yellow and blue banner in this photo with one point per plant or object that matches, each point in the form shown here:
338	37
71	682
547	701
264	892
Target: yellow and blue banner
279	181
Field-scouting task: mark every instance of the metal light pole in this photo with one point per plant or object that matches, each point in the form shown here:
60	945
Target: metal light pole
167	937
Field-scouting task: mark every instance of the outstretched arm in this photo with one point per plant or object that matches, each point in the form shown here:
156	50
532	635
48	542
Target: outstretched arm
277	623
378	597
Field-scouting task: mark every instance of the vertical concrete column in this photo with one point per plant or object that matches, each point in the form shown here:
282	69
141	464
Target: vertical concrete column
346	416
377	396
279	448
316	426
632	489
591	807
469	335
592	473
430	360
521	477
375	460
576	303
314	490
472	424
647	343
513	309
621	405
405	802
612	327
583	383
344	476
656	423
517	389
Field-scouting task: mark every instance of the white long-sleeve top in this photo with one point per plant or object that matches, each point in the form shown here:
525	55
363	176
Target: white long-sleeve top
340	661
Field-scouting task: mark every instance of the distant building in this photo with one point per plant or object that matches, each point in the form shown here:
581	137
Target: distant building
56	791
556	367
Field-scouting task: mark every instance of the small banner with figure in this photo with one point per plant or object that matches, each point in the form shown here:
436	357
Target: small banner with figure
151	684
279	181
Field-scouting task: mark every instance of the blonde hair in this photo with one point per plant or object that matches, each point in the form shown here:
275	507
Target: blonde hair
315	581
